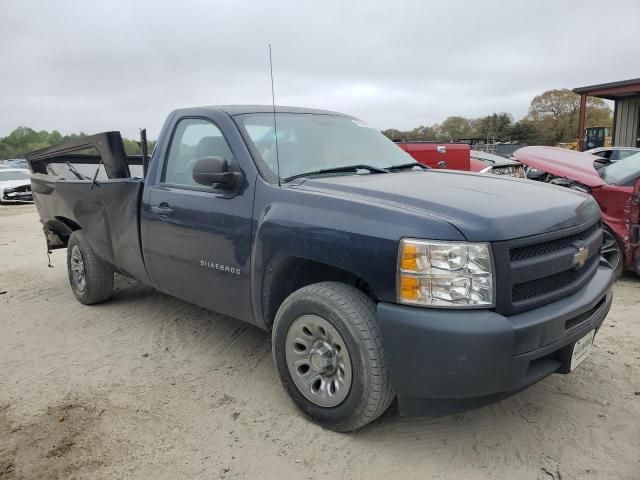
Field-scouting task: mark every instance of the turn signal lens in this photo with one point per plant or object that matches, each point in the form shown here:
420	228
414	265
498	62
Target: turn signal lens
409	288
409	255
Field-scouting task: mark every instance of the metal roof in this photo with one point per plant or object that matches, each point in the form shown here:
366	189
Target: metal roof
612	90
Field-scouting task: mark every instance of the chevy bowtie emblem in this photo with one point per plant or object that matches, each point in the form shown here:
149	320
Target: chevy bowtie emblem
580	257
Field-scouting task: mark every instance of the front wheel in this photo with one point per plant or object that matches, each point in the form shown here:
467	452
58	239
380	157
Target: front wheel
329	354
90	277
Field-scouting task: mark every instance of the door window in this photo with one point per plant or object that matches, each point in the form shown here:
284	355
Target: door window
622	154
604	154
193	139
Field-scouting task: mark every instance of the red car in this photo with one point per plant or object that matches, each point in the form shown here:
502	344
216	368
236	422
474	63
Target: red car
615	186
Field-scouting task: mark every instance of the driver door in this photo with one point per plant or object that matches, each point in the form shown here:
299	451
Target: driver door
197	243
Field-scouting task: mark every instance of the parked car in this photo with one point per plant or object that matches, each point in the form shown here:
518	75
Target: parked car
14	163
613	154
485	162
615	186
377	276
15	185
458	156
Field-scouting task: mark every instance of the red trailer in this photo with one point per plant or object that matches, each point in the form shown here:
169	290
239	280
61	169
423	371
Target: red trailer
458	156
452	156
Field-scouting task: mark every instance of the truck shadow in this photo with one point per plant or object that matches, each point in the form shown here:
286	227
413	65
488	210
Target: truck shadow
169	325
629	277
513	420
222	344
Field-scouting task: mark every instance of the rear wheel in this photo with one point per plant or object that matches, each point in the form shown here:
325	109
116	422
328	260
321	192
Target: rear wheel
329	354
90	277
611	251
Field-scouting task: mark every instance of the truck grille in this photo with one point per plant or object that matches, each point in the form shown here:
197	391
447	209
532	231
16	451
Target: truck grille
528	251
552	283
541	269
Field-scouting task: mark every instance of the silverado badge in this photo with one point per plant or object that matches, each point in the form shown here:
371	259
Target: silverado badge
580	257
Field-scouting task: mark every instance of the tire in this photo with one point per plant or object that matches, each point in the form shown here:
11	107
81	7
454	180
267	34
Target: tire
90	277
350	328
612	251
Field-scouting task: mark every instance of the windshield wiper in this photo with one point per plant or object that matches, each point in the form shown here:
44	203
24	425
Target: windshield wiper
73	170
406	166
345	169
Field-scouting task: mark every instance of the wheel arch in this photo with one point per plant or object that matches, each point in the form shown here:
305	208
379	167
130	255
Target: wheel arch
286	275
58	230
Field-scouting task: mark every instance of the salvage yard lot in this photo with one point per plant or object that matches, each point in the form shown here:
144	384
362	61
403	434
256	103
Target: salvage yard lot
148	386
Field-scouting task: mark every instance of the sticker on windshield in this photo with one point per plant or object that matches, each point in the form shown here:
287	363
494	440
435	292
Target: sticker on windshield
360	123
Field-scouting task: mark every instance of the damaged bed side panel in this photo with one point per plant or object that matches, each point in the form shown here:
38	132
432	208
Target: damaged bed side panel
106	209
107	213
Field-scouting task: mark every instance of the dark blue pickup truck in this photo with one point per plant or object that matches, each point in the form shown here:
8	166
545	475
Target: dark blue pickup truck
378	277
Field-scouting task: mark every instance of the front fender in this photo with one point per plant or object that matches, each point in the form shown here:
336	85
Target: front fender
355	236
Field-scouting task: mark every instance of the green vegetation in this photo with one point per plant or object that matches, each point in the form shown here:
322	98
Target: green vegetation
23	140
552	119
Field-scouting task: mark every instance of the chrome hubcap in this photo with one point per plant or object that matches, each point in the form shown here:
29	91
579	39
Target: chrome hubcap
78	276
610	250
318	361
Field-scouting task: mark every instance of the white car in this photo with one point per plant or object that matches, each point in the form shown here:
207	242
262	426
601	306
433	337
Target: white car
613	154
15	185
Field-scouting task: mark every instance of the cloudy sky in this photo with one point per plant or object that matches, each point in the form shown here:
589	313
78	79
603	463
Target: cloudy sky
120	65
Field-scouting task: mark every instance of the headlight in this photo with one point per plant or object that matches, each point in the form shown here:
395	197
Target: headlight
445	274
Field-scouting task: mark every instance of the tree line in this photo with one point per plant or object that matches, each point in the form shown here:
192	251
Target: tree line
24	140
552	119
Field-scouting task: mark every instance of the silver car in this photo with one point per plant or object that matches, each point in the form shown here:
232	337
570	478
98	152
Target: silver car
613	154
15	185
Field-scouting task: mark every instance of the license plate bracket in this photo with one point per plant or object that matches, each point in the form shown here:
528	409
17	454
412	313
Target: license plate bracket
581	350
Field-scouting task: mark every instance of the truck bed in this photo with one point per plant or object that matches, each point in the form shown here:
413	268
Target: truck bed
106	209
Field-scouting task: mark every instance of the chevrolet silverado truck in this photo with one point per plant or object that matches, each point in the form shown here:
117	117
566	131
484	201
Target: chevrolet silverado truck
378	278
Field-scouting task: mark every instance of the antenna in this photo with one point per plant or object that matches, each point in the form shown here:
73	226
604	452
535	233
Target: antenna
144	146
275	123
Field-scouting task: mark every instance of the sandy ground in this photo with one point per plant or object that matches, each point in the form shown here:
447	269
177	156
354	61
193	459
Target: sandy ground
146	386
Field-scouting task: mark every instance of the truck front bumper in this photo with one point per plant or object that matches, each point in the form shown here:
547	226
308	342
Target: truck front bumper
466	354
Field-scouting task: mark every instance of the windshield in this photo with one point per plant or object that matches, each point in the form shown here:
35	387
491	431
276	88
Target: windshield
13	176
311	142
623	172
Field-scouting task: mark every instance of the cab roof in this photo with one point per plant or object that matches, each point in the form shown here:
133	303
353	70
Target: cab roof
245	109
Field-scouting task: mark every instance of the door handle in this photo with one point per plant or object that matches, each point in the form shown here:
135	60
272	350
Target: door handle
162	209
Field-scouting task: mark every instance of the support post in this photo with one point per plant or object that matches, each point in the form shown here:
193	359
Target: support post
581	116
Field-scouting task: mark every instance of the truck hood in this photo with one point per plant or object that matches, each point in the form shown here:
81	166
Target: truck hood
577	166
481	207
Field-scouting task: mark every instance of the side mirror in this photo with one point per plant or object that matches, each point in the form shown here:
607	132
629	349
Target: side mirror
212	171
